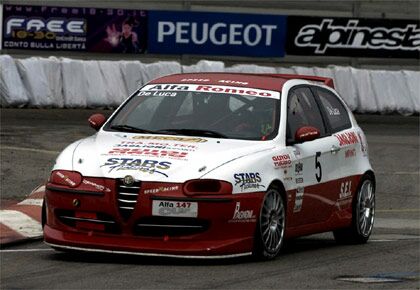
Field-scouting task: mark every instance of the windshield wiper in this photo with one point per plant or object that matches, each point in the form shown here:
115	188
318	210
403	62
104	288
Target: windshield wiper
128	128
194	132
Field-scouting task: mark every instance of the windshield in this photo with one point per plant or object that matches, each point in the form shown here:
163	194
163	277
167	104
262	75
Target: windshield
173	111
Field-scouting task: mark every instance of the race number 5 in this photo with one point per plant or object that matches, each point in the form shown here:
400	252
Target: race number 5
318	168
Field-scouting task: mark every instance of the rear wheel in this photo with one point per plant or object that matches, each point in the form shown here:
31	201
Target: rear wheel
271	224
363	215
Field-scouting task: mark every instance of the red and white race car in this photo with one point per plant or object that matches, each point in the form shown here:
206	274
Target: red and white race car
214	165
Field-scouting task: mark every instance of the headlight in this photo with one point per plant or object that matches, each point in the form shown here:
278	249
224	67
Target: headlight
66	178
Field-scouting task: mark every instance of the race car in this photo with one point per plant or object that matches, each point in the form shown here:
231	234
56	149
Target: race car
213	165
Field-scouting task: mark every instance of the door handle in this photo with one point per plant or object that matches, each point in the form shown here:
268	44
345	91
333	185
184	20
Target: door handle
335	149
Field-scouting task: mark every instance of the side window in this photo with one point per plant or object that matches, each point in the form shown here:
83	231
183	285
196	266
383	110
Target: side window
336	112
302	110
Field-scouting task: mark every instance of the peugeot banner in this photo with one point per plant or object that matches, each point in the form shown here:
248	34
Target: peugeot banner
328	36
209	33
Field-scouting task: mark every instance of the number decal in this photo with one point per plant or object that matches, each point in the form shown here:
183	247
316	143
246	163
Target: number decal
318	174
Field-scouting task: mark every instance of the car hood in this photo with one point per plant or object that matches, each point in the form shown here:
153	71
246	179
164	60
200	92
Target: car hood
164	158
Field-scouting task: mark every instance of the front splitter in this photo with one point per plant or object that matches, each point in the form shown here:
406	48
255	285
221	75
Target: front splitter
148	254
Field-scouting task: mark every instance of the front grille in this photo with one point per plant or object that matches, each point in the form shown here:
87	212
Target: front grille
169	226
127	197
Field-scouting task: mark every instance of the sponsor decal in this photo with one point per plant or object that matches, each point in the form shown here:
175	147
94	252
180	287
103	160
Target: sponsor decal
298	199
333	111
347	138
65	178
248	180
161	189
157	145
148	152
212	89
96	186
195	80
166	88
353	37
171	138
350	153
298	168
282	161
242	216
232	82
143	165
174	208
299	180
219	81
345	190
227	90
296	152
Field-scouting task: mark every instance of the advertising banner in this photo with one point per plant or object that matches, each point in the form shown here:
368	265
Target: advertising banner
327	36
74	29
209	33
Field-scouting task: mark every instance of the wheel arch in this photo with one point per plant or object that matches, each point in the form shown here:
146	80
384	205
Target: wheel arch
371	174
277	184
259	249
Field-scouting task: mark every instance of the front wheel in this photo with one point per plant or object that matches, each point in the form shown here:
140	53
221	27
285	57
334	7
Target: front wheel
271	224
363	216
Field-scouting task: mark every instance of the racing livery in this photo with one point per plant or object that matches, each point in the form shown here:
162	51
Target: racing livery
214	165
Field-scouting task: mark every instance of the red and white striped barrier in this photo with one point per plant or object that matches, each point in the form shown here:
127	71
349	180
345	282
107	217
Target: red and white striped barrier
23	220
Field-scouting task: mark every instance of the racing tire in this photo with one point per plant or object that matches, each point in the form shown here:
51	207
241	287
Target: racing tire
269	237
363	215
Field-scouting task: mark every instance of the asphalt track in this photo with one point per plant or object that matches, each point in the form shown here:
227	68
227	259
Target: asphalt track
31	139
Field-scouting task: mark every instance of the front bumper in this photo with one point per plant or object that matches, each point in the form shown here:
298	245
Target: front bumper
134	246
222	235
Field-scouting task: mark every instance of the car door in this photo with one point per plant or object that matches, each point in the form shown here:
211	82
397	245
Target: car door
314	163
347	140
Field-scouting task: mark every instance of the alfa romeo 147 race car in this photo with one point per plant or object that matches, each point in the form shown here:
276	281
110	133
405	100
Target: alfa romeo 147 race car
214	165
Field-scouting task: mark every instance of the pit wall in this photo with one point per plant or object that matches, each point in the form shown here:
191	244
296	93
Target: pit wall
69	83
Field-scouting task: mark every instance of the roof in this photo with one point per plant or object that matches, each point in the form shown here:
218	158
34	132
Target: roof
259	81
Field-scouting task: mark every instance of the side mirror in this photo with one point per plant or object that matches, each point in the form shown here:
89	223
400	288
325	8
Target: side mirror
306	133
96	121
